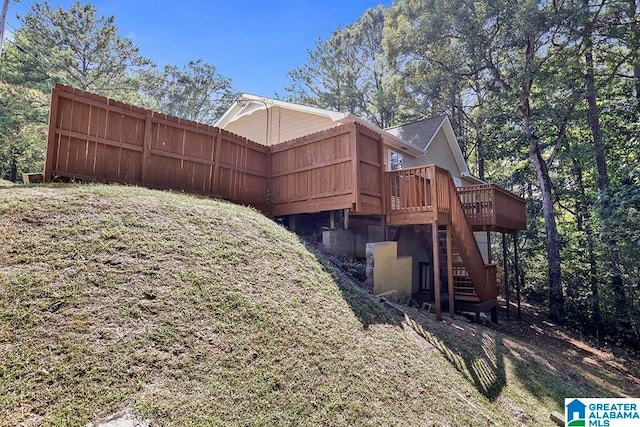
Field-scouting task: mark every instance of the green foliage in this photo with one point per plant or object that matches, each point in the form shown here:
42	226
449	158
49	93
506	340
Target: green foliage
622	212
80	48
195	92
350	73
512	78
23	114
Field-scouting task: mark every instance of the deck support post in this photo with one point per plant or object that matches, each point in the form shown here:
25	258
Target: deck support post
345	219
450	272
494	315
517	272
383	225
436	269
505	267
332	220
489	257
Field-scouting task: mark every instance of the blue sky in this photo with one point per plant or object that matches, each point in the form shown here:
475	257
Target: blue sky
253	42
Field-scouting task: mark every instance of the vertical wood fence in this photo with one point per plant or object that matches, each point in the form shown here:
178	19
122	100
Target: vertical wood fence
339	168
99	139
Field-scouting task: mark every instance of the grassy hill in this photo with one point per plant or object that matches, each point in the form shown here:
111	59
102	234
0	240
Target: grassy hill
192	311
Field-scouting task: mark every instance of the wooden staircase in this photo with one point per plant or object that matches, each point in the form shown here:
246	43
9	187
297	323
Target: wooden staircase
476	280
428	195
464	289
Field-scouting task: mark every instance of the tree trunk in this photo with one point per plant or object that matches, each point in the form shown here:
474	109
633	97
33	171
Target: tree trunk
13	171
636	75
3	17
584	224
636	67
480	159
593	116
556	296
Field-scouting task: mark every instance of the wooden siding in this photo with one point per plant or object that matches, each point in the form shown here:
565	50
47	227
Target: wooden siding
95	138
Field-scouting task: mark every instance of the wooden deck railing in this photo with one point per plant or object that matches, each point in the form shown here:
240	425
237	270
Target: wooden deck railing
490	207
443	190
410	190
430	189
421	189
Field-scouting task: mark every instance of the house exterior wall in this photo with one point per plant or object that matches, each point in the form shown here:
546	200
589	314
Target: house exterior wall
409	244
270	127
483	244
438	153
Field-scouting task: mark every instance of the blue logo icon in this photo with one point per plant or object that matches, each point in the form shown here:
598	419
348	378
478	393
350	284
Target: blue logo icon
576	414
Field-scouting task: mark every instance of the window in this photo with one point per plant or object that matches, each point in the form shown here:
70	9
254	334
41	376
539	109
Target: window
395	160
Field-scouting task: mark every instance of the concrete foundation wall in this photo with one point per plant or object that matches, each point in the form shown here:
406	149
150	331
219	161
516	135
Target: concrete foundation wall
351	243
388	272
339	243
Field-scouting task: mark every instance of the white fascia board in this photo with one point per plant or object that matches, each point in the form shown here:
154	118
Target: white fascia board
473	178
235	111
453	144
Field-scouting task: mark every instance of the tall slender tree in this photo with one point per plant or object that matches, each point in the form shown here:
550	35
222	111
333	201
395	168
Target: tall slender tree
350	73
79	47
509	45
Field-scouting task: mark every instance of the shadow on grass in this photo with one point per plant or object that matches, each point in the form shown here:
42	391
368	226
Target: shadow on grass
568	368
366	308
544	369
547	366
483	365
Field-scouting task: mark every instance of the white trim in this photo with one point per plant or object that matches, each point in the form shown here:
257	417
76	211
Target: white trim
445	125
473	178
238	110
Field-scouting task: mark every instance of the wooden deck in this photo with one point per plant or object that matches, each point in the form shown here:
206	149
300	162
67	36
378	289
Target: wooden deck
427	194
487	207
490	207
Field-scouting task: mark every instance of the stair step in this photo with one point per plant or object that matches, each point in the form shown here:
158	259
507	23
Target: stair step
464	290
467	298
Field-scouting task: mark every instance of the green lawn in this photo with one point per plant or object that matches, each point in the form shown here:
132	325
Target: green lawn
192	311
